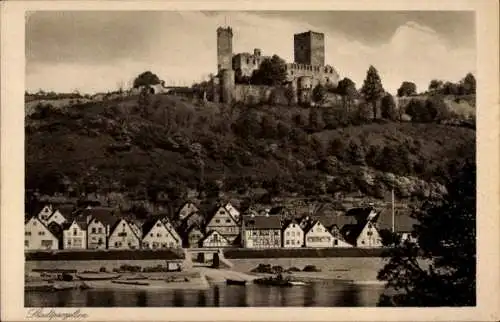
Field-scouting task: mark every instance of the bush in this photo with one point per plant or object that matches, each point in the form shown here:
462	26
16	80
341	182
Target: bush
102	269
311	268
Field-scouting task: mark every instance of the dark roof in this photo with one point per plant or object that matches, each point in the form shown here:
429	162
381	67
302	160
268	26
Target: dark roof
403	222
107	216
289	221
65	210
262	222
80	220
351	232
55	229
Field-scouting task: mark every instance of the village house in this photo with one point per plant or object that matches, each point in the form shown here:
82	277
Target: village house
157	235
75	234
364	233
99	223
215	239
261	231
186	210
293	235
317	236
37	236
123	236
194	237
57	217
224	223
338	239
168	224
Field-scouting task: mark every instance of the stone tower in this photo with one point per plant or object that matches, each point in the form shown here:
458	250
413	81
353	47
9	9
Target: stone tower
309	48
224	48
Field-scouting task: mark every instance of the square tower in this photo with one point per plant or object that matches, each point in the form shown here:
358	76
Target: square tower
309	48
224	48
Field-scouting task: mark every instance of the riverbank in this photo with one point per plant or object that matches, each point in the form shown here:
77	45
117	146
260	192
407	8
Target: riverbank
245	253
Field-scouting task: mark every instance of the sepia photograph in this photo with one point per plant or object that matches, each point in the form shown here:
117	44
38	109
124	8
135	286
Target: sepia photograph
240	157
248	159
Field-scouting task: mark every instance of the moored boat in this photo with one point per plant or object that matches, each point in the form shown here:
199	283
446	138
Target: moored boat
130	282
236	282
97	276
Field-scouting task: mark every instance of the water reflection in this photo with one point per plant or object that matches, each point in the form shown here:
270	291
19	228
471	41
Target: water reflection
324	294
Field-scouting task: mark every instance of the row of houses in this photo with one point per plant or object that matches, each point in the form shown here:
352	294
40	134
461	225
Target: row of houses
107	228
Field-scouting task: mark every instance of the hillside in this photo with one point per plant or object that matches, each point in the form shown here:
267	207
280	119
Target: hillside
158	148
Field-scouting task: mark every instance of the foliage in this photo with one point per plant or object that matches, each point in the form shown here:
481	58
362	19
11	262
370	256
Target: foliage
389	238
469	84
271	72
446	236
319	94
347	89
146	78
372	89
388	108
407	89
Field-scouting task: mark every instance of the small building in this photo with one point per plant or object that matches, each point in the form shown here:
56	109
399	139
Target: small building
156	235
168	224
123	236
37	236
261	231
225	224
75	234
364	232
293	235
187	210
316	235
214	240
99	223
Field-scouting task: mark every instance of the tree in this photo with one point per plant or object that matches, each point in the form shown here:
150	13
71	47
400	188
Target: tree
446	235
319	94
316	122
435	85
469	84
388	108
450	88
271	72
407	89
372	89
146	79
347	89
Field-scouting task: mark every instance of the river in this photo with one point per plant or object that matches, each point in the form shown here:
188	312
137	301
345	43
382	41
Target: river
320	294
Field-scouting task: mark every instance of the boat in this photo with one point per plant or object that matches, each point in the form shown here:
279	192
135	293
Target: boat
272	281
236	282
297	283
97	276
130	282
62	287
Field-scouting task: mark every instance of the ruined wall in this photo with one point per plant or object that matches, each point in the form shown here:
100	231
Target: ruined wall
255	94
224	48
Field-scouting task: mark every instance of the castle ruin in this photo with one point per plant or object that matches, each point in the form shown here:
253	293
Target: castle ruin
307	70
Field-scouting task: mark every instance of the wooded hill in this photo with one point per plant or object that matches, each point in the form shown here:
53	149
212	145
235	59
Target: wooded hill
157	147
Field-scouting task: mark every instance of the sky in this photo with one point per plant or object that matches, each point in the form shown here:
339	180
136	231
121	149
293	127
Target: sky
103	50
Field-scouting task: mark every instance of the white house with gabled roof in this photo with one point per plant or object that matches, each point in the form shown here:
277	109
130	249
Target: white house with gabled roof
123	236
37	236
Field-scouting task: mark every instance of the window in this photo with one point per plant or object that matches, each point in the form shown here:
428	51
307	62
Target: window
254	233
217	221
228	220
158	235
41	233
288	242
93	230
75	232
27	233
69	242
362	242
335	242
47	243
293	234
26	243
99	230
288	233
369	233
276	233
158	225
100	242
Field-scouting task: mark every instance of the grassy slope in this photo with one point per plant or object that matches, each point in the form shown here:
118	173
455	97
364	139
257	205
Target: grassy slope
79	144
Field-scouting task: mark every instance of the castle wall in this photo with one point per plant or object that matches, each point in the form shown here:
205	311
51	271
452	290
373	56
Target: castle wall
255	94
320	74
227	86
